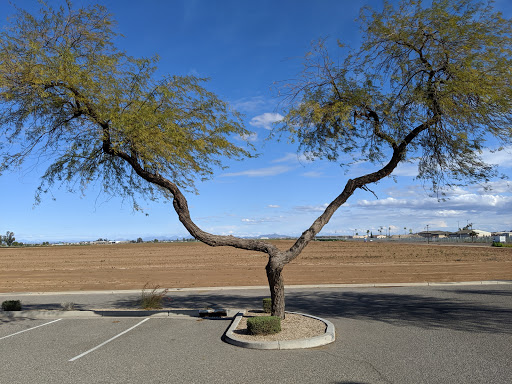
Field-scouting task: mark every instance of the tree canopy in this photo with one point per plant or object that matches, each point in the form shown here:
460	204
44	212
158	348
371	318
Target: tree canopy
69	95
436	79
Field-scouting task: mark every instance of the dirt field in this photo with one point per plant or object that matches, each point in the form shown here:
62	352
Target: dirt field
180	265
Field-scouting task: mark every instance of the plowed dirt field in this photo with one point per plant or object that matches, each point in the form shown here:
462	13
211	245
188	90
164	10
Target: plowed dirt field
181	265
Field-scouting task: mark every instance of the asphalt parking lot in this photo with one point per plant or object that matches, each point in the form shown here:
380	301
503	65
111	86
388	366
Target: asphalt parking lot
384	335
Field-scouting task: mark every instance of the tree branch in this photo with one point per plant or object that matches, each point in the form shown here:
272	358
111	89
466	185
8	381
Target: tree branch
350	187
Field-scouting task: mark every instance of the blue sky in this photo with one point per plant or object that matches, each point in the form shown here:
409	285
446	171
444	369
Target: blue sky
245	47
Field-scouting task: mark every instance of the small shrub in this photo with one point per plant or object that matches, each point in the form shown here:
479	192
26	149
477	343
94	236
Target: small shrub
267	305
263	325
151	298
11	305
497	244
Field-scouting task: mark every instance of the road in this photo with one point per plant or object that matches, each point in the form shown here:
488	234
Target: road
446	334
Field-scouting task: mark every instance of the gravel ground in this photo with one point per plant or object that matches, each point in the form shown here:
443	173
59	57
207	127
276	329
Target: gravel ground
293	327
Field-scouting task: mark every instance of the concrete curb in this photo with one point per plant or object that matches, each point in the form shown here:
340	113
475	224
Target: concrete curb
56	314
306	286
328	337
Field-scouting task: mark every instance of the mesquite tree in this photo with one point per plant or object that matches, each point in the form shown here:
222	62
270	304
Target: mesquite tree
427	83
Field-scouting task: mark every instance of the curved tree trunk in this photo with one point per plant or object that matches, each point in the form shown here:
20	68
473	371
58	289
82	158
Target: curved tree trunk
277	259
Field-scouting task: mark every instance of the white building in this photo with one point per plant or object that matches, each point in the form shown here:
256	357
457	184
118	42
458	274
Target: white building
470	232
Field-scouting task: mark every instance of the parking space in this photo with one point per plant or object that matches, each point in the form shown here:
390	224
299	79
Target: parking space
11	328
399	335
79	350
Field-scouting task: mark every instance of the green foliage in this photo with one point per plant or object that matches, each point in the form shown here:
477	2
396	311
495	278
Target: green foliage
263	325
68	94
9	239
11	305
498	244
433	79
267	305
151	297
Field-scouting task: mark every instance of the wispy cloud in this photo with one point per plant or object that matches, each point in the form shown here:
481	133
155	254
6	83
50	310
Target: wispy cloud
273	206
251	104
468	201
406	169
292	158
261	220
500	186
251	137
500	158
266	120
311	208
261	172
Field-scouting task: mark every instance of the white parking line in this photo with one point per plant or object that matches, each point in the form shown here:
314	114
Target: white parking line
29	329
108	341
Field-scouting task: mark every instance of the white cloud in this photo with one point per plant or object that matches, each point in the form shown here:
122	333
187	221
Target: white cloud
500	186
467	201
311	208
261	172
474	201
501	158
273	206
292	158
404	191
406	169
447	212
251	104
260	221
251	137
266	120
437	224
388	202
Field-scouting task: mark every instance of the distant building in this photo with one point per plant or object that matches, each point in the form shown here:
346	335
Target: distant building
464	233
504	237
434	234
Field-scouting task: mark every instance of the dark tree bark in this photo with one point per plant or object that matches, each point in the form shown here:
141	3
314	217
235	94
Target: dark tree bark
276	285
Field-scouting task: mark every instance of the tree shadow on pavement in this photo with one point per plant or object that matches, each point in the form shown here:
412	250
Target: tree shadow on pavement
405	310
397	309
491	292
51	306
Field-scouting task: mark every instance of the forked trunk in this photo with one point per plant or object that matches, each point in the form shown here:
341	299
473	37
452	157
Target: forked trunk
276	285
